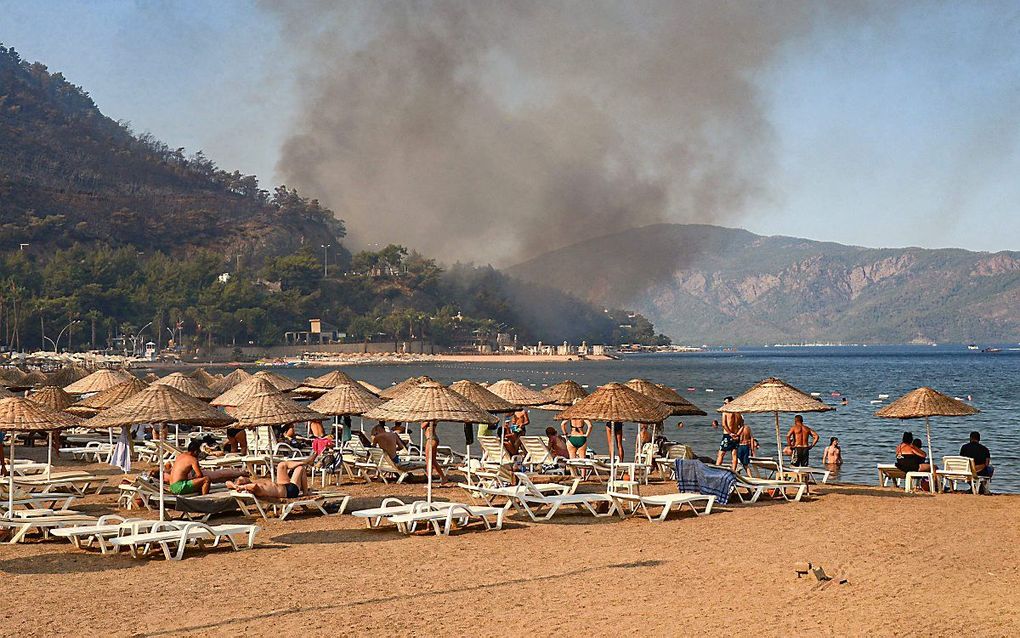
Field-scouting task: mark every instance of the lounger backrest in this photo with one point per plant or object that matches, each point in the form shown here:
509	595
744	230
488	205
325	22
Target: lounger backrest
958	464
679	451
525	482
538	451
264	440
491	449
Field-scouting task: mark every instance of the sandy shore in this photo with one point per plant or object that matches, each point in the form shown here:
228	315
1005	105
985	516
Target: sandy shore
914	564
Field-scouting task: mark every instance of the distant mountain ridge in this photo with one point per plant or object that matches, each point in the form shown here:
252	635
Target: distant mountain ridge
708	284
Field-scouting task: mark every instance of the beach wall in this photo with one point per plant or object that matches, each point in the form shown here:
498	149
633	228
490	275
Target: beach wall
382	347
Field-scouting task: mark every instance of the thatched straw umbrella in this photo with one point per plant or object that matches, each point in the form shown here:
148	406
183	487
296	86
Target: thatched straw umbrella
317	386
10	376
52	397
22	415
222	385
925	402
161	404
203	377
244	391
616	402
678	405
4	393
431	401
564	393
33	379
280	382
187	385
150	377
64	376
374	389
517	394
775	395
345	400
107	398
272	408
396	391
98	381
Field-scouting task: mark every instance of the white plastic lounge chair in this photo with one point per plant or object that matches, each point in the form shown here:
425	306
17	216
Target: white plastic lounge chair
667	502
21	526
78	482
251	505
392	506
167	534
532	501
97	451
888	472
443	520
105	527
749	489
387	469
537	452
502	493
961	469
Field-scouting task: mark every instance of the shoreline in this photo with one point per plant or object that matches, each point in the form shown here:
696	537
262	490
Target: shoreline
377	359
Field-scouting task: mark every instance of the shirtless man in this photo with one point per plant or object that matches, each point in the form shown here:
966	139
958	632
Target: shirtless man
745	442
186	476
800	446
387	441
291	481
731	424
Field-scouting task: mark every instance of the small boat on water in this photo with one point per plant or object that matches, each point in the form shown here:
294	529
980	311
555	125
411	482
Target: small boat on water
992	350
972	346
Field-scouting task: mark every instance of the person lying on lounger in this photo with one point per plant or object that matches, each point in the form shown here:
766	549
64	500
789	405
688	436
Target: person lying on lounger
291	481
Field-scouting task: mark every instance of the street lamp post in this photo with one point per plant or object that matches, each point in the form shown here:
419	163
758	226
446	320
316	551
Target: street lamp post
325	259
138	335
62	334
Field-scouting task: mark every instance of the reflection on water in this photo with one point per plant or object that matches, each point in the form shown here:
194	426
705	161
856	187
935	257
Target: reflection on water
858	374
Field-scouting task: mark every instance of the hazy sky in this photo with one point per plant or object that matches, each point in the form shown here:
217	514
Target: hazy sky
890	129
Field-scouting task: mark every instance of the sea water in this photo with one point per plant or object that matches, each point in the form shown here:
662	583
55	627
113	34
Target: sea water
858	373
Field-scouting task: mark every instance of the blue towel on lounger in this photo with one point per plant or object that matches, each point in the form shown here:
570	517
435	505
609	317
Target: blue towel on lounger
695	476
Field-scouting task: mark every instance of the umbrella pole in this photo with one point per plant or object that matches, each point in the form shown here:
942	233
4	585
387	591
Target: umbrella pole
49	453
779	448
428	462
931	455
162	505
10	479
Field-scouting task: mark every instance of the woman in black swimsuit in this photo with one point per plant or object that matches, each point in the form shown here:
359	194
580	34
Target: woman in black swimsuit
910	457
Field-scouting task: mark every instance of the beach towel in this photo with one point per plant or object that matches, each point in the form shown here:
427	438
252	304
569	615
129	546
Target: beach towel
695	476
320	445
121	456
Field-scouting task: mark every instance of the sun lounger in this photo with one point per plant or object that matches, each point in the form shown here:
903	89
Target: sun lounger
889	472
282	508
105	527
167	534
537	452
21	526
589	468
749	489
442	520
78	482
392	506
532	501
667	502
960	469
98	451
386	469
494	494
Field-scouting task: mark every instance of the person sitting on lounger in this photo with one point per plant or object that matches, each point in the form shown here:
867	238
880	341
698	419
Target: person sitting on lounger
291	481
910	456
982	457
237	441
387	441
186	475
801	439
557	445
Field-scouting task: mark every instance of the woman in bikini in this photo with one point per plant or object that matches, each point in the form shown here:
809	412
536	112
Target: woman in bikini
428	428
577	432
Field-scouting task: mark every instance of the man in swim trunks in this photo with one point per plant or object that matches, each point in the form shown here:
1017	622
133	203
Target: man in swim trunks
731	424
386	441
186	476
798	440
291	481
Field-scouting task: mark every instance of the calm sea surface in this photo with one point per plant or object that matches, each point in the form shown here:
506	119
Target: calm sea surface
860	374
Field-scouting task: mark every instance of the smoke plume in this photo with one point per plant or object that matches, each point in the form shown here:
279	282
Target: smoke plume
495	131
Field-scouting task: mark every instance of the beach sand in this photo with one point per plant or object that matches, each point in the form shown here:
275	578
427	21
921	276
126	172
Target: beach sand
914	564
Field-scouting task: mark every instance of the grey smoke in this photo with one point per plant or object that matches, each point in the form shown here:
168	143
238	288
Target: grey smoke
495	131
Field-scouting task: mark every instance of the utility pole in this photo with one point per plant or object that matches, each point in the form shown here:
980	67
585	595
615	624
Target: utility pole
325	259
42	333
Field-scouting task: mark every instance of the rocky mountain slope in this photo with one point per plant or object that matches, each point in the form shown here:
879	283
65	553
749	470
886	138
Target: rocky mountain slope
717	285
